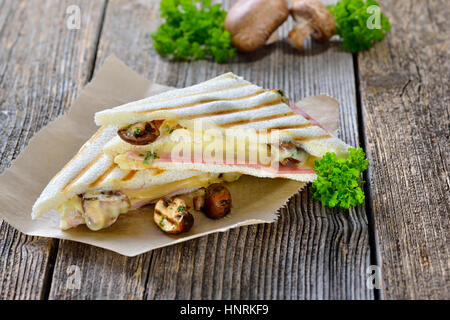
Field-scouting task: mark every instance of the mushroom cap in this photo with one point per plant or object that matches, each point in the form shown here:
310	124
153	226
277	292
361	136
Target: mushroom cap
319	17
171	216
252	22
149	132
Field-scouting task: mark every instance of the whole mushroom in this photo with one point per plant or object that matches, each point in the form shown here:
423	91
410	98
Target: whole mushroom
313	19
217	201
252	22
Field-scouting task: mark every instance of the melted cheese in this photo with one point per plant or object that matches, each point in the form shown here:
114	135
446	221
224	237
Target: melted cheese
181	145
72	213
156	192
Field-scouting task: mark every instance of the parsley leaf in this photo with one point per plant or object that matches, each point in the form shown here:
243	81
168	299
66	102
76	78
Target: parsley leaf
150	156
169	129
193	29
338	179
352	18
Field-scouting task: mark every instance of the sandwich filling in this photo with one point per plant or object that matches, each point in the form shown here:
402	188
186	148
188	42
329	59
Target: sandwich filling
100	209
148	144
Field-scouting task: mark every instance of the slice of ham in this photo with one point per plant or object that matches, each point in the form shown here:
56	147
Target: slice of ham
167	158
138	204
134	155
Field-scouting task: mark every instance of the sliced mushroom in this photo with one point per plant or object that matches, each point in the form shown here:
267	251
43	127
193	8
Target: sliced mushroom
289	162
199	202
102	209
141	133
217	201
252	22
313	19
286	145
171	216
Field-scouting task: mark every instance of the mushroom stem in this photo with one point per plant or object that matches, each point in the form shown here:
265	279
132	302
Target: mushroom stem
313	19
274	37
299	33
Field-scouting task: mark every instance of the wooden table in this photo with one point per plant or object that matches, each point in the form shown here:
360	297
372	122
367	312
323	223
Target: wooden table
394	103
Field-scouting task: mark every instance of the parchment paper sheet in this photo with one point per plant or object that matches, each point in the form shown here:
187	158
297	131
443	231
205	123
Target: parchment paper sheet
255	200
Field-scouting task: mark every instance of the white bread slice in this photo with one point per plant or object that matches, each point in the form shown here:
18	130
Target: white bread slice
91	170
242	169
230	103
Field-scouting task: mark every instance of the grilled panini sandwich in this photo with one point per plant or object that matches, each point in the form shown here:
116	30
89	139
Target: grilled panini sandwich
269	136
91	189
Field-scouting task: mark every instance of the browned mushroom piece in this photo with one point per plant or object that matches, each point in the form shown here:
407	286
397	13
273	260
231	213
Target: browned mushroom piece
171	216
217	201
252	22
289	162
313	19
102	209
199	202
141	133
287	145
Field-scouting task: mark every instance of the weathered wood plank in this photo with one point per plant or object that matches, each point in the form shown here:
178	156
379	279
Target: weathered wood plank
405	98
102	274
310	252
43	65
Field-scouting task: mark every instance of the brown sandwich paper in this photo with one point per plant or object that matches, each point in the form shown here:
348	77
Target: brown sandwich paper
255	200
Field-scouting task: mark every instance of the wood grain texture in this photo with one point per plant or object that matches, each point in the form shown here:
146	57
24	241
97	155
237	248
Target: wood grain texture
43	65
309	253
404	85
103	274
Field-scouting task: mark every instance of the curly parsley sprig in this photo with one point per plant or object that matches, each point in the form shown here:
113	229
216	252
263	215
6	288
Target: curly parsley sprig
338	179
193	29
351	24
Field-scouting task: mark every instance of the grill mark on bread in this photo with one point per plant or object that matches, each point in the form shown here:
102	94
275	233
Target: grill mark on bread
245	121
80	151
305	139
172	221
129	175
81	173
158	171
290	126
228	111
103	176
190	95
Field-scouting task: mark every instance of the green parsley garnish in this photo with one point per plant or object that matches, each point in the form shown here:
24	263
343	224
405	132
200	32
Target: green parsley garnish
161	223
283	96
338	179
137	131
150	156
181	208
169	129
352	18
193	29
